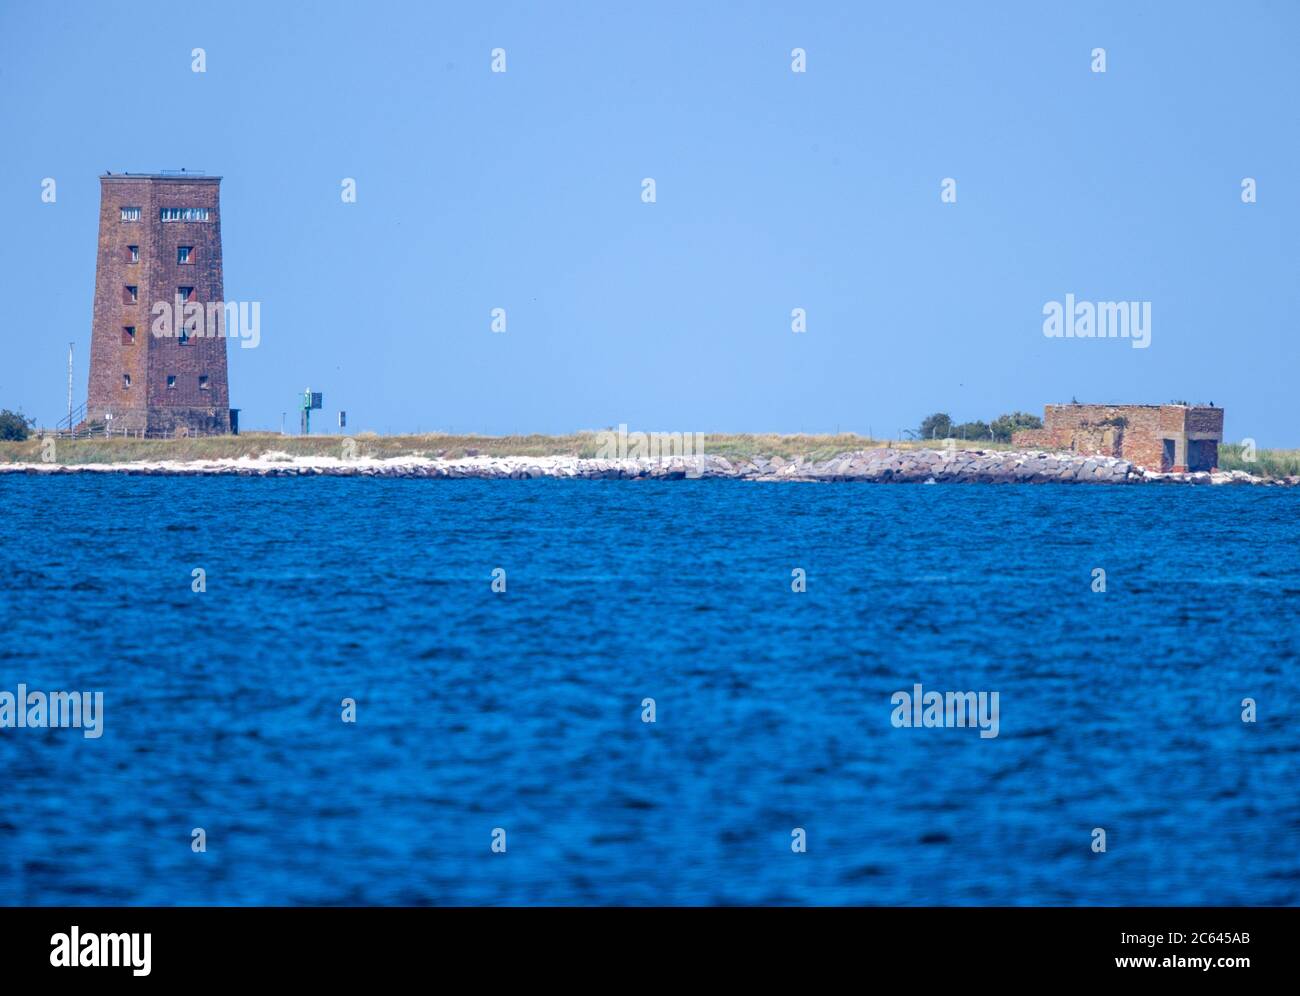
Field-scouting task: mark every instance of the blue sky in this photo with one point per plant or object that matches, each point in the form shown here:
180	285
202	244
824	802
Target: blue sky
775	190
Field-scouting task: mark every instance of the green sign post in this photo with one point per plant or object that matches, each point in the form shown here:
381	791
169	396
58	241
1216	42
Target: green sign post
310	399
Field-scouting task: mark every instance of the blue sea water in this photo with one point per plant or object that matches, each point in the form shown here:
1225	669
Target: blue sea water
523	711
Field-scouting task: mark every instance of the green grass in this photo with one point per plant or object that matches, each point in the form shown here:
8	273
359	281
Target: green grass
256	444
737	446
1267	463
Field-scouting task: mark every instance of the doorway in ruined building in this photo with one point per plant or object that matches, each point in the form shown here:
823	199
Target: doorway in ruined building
1167	456
1202	454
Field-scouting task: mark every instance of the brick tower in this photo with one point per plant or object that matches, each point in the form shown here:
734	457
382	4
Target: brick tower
159	245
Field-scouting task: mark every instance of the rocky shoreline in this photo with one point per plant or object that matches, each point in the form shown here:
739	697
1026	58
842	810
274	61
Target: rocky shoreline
923	466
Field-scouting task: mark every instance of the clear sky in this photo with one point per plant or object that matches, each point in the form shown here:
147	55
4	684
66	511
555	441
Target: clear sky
775	190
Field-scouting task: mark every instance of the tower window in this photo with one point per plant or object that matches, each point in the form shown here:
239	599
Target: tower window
131	294
185	293
183	253
171	382
133	254
130	214
183	214
126	381
203	382
128	335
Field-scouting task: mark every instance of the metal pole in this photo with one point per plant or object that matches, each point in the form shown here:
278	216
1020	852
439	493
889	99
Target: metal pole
69	385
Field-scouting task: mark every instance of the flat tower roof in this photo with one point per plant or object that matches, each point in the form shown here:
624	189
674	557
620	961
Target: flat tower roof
1118	404
197	177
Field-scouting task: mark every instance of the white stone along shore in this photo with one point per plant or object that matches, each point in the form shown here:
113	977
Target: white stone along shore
921	466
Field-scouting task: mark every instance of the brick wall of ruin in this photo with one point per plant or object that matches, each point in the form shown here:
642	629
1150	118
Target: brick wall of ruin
1205	420
1133	432
1039	439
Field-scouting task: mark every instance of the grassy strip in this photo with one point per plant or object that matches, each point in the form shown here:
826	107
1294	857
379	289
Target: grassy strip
260	444
583	444
1267	463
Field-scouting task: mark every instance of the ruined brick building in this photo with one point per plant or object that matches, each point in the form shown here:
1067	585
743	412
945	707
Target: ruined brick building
1175	438
159	245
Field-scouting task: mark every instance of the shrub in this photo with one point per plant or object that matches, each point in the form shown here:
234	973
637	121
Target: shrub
936	426
972	430
1004	425
14	426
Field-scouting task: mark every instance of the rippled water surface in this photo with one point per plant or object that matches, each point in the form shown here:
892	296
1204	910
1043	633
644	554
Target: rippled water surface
523	710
